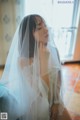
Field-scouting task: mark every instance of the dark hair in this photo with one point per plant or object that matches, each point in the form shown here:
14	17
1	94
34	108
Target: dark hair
32	26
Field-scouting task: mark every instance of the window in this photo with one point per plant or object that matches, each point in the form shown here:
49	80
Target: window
62	16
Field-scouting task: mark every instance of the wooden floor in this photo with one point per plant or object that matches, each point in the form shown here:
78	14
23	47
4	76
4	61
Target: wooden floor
70	74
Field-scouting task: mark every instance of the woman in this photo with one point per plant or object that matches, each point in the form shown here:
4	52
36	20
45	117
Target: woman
33	71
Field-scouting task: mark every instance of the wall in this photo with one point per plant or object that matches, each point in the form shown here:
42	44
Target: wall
77	47
10	15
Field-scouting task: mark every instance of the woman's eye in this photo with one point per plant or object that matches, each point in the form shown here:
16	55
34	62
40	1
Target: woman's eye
38	28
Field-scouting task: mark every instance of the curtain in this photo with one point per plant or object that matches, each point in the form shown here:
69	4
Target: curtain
11	13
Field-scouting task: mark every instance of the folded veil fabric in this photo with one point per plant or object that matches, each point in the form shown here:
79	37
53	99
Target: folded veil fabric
23	75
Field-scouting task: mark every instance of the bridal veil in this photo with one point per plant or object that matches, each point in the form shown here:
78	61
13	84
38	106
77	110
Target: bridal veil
23	76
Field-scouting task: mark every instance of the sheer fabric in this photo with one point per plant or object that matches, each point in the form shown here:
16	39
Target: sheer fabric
32	74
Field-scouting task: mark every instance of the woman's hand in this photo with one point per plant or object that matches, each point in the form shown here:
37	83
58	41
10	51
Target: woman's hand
54	112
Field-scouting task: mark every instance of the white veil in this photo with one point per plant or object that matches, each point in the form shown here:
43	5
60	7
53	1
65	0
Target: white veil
23	75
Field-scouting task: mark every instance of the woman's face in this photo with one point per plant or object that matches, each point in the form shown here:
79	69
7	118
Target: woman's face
41	32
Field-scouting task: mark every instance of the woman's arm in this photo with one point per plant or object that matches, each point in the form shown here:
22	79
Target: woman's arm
56	83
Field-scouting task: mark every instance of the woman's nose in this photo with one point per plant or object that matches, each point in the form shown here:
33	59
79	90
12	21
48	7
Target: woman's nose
45	29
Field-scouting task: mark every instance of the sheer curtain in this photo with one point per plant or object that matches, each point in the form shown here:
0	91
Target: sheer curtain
11	13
